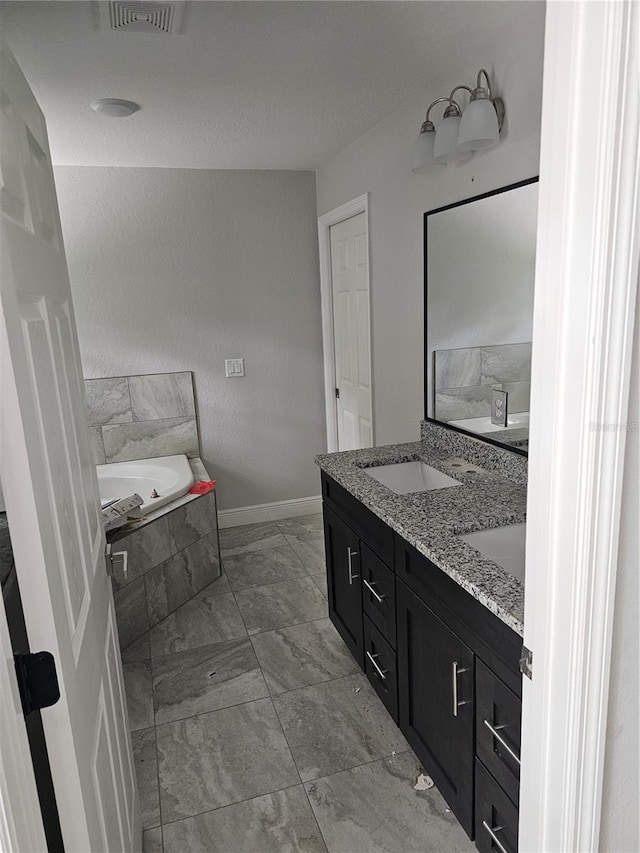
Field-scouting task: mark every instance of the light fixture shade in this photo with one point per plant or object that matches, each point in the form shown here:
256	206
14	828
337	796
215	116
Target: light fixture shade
422	157
445	148
478	126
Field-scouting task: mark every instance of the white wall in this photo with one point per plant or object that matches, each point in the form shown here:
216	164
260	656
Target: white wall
176	269
379	163
620	828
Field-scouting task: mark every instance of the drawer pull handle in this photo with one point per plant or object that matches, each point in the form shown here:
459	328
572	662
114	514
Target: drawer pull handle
492	832
457	670
374	592
495	732
381	672
350	555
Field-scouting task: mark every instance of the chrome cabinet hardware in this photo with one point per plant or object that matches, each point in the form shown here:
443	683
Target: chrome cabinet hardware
495	732
379	598
457	670
115	560
381	672
350	555
492	832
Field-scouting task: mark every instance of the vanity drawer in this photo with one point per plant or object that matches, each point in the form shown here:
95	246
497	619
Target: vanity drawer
498	722
378	593
377	535
496	822
380	667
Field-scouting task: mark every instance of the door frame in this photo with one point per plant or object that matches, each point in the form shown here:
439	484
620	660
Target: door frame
333	217
586	284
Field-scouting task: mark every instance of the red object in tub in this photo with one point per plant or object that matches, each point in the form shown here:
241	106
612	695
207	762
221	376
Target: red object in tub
202	487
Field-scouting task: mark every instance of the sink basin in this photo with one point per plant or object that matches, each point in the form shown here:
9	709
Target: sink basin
406	477
504	545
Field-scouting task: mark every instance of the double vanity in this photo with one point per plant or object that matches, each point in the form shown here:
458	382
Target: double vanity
425	567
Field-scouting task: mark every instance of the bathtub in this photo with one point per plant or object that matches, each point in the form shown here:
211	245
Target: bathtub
169	476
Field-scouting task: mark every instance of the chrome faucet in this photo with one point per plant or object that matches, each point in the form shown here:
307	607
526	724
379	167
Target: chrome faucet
499	406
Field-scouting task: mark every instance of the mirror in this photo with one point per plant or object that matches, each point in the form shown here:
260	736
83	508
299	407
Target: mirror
479	278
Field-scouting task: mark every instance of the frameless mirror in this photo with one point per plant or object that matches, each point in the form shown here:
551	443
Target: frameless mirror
479	277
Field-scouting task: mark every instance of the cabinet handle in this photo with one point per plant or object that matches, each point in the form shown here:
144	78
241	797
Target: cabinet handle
492	832
494	731
379	598
457	670
351	554
381	672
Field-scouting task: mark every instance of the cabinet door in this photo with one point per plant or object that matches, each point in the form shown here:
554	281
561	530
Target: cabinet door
343	582
435	692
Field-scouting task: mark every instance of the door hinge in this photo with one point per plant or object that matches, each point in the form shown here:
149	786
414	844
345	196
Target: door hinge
337	392
37	681
526	662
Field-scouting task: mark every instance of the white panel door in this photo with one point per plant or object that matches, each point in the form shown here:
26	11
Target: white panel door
350	289
51	493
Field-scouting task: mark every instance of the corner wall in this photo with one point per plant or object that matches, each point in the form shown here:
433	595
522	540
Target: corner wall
178	269
379	163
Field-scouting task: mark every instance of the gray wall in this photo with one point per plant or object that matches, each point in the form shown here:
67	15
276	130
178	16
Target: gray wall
178	269
379	163
620	828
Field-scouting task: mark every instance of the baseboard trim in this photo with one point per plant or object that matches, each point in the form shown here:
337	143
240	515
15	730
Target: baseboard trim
269	512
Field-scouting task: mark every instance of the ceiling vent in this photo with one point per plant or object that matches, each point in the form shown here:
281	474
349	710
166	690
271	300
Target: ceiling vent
142	17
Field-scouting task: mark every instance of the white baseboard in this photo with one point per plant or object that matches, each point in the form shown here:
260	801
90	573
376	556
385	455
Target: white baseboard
269	512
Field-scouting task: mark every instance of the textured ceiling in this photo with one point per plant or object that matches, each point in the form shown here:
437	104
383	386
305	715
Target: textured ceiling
246	85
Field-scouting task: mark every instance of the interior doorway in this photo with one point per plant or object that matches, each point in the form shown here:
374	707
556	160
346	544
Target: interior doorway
346	325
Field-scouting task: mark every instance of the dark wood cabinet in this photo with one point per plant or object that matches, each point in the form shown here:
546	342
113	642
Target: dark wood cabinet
380	665
496	817
445	667
436	701
343	582
498	722
378	594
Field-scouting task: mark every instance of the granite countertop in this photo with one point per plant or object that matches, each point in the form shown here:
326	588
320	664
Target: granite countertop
431	521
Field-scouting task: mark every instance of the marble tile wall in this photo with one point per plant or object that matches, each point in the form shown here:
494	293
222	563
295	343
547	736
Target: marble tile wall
138	417
464	378
170	560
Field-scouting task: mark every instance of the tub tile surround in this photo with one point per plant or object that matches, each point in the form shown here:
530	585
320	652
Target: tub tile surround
171	559
139	417
431	521
464	378
268	707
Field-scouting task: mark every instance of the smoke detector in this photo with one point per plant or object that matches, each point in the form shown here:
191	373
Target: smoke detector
143	17
115	107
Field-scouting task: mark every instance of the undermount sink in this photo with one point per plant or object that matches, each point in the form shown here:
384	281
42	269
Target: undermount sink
406	477
503	545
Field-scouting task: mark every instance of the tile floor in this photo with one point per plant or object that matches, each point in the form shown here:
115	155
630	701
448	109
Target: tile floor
253	728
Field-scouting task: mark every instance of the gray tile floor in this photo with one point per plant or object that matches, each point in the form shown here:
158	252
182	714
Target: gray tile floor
255	731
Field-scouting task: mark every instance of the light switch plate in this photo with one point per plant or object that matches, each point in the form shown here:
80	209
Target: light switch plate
234	367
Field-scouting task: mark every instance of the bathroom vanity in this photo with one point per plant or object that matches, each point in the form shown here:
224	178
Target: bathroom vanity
436	624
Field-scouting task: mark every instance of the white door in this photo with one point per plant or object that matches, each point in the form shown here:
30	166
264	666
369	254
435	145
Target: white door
51	493
352	342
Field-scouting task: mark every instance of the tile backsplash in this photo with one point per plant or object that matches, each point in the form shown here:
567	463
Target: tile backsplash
138	417
464	378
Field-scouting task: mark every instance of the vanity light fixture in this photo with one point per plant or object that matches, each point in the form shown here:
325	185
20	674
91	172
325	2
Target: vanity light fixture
461	132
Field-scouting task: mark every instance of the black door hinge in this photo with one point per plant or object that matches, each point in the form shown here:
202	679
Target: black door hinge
337	392
37	681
